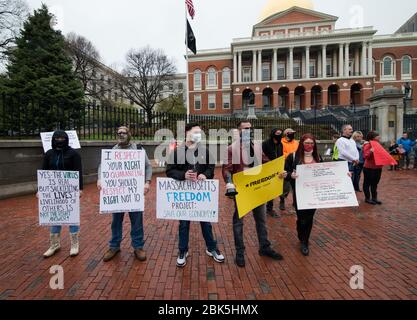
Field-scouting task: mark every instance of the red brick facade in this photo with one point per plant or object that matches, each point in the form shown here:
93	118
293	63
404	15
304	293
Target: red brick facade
353	82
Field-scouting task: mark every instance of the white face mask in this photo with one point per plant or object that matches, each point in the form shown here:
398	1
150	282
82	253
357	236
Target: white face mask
196	137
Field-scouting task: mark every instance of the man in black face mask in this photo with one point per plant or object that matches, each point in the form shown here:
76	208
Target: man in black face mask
63	157
272	148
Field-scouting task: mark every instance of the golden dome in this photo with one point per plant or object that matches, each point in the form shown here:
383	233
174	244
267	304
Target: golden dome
275	6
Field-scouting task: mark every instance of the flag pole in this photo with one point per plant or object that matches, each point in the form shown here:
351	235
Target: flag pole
186	63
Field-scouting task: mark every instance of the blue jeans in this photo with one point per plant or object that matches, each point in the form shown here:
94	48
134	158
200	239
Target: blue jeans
57	229
184	235
136	230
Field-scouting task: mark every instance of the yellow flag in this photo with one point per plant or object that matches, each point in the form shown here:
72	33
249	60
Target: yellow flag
258	185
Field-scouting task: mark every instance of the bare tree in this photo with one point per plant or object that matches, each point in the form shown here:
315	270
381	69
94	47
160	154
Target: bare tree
146	73
12	15
86	59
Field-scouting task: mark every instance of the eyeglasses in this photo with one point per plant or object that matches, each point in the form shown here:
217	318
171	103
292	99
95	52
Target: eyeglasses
309	143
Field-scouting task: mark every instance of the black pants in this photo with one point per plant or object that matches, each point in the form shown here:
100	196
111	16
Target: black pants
305	224
371	180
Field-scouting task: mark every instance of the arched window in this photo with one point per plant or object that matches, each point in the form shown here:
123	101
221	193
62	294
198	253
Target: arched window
226	78
197	80
388	68
406	67
211	78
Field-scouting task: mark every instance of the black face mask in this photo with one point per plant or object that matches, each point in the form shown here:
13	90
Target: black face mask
278	138
291	136
60	144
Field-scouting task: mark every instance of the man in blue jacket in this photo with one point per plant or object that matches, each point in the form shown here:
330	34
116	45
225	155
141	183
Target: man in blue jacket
407	145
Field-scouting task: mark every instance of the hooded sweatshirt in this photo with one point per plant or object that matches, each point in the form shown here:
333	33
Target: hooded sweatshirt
62	157
271	149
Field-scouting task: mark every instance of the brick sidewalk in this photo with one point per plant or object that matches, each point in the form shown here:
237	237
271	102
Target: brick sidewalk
381	239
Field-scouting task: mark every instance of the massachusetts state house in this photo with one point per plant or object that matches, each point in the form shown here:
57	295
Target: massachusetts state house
296	59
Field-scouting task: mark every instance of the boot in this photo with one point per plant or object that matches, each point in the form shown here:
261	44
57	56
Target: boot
75	245
55	245
282	204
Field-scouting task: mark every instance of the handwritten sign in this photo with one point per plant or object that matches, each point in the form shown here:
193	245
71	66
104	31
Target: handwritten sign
59	197
72	140
187	200
122	181
325	185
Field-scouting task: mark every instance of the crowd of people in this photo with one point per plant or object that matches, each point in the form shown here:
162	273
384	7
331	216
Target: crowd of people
350	147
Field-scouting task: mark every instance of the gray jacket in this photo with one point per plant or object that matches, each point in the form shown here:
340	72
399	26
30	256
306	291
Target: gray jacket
148	165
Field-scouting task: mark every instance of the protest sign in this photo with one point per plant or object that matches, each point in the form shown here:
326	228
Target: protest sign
258	185
72	140
325	185
122	181
187	200
59	197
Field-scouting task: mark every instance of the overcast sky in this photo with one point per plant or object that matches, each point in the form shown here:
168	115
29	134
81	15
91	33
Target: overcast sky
115	26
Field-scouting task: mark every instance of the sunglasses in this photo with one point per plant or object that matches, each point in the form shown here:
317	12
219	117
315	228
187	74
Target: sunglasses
122	133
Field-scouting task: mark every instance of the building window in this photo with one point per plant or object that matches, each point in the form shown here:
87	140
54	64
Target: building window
266	71
281	70
388	66
171	87
406	67
226	101
212	101
313	73
329	67
226	78
197	80
211	78
297	69
115	96
247	74
197	102
180	86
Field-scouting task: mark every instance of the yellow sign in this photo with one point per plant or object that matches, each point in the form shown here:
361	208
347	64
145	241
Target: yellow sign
258	185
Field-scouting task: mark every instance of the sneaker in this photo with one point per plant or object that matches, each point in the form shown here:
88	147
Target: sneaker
182	259
216	255
240	260
377	202
110	254
305	250
270	253
140	254
272	213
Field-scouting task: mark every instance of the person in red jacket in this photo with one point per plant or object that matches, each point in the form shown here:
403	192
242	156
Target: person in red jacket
372	172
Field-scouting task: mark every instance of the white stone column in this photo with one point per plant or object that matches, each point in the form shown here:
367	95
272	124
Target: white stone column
291	66
254	66
239	68
307	62
259	65
235	80
341	66
334	63
370	72
274	65
347	60
324	61
319	64
363	59
357	61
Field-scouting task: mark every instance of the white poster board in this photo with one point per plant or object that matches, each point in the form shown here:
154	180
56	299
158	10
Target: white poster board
59	197
187	200
122	181
325	185
72	140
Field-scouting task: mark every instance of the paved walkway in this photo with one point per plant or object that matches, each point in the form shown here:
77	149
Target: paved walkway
381	239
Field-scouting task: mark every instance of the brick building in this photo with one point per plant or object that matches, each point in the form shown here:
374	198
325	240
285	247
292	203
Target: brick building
297	59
